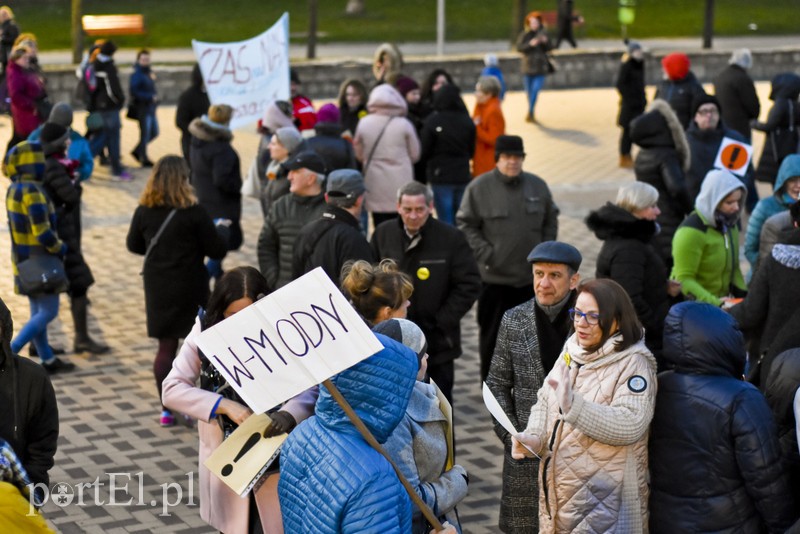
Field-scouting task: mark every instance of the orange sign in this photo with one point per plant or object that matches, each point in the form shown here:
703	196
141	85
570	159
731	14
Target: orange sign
734	156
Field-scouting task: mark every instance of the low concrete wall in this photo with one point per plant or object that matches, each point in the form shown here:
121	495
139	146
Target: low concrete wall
578	69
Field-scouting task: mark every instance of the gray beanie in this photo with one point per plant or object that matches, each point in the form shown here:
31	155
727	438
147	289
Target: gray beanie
405	332
741	57
289	137
61	114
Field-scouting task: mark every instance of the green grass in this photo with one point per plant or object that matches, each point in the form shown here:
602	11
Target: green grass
173	23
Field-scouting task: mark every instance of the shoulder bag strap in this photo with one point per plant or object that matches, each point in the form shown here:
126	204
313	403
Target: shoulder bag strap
378	140
154	241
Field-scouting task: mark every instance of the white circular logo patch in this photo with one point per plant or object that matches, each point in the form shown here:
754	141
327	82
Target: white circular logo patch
637	384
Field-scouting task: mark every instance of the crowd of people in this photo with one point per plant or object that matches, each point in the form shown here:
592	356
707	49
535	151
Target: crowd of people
417	209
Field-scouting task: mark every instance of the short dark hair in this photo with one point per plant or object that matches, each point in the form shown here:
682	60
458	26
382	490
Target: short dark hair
142	52
794	210
235	284
414	189
614	304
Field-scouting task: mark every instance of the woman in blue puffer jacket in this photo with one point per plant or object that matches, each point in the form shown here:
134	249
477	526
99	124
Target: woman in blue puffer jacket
715	460
332	480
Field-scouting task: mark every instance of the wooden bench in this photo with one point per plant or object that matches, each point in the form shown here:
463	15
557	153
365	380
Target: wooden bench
113	24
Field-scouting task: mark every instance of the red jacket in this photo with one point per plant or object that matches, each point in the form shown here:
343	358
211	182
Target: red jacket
24	88
303	111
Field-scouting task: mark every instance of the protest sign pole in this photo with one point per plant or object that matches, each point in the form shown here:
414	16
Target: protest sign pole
367	435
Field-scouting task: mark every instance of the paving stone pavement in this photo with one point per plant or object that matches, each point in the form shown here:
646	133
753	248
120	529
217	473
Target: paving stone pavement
109	407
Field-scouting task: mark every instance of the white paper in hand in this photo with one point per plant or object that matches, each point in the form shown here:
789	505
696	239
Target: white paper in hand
498	413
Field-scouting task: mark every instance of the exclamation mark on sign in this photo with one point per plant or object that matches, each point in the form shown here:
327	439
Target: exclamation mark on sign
227	469
734	157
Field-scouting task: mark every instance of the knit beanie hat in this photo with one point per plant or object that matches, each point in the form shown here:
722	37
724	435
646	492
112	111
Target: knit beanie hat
328	113
741	57
108	48
633	46
61	114
704	99
405	85
220	114
405	332
289	137
490	60
676	65
275	117
54	137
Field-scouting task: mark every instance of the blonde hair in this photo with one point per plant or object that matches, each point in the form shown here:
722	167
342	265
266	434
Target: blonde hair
220	114
168	185
636	196
26	38
7	10
371	287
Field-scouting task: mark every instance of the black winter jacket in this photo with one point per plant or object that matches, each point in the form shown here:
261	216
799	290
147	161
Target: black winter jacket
279	235
334	149
329	242
446	280
108	96
193	103
29	417
448	139
781	387
661	162
785	91
704	146
630	86
66	197
628	258
216	175
680	94
715	460
738	99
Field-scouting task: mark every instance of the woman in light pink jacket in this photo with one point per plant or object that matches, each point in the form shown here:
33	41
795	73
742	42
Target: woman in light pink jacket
387	146
218	414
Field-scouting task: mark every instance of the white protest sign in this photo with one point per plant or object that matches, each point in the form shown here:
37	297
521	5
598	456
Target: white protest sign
247	75
289	341
733	156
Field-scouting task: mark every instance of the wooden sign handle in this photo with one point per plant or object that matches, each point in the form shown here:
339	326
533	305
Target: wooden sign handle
367	435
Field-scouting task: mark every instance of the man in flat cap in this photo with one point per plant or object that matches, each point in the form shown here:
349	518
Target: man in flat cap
504	214
288	215
530	339
336	236
439	260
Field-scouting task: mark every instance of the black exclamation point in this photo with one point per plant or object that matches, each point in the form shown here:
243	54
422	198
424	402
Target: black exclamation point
734	157
227	469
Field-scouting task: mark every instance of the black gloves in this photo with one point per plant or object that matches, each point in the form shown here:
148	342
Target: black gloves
282	422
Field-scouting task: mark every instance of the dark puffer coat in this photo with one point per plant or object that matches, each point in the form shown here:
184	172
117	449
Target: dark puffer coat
715	460
628	258
680	94
630	86
448	139
737	97
704	146
785	91
782	384
216	175
334	149
662	162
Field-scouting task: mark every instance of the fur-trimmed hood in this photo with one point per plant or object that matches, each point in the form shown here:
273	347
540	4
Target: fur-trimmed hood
612	221
660	127
208	131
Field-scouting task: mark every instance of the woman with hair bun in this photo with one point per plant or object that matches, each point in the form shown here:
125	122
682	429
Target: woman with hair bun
378	292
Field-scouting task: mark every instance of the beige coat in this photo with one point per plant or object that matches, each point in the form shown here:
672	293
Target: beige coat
594	458
392	163
220	507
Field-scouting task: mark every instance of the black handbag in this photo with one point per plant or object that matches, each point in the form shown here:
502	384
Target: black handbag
42	274
134	110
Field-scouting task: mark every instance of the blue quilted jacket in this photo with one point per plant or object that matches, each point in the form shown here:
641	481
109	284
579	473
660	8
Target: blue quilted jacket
332	481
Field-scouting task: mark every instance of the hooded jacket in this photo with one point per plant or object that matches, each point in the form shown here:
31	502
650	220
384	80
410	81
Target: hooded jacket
109	95
448	139
704	147
785	92
29	420
714	455
706	255
216	174
767	207
31	215
388	162
593	474
662	162
781	389
332	481
628	257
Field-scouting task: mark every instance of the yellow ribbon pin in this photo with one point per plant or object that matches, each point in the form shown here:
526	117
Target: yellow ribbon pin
423	273
567	358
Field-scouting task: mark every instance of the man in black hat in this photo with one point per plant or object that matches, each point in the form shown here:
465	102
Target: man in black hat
439	260
336	237
304	203
504	214
529	342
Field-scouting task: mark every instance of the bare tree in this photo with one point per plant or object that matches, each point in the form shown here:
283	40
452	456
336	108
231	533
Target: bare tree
77	31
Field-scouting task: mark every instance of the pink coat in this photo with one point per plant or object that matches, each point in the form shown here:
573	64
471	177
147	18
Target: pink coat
24	88
229	512
392	163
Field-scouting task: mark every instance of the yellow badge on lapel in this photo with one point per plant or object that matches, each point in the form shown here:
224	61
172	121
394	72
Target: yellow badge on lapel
423	273
567	358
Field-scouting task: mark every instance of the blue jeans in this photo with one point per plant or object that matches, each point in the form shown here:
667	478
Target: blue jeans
109	136
447	200
148	130
533	84
44	308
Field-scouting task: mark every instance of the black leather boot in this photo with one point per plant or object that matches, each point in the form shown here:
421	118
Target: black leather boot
84	343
